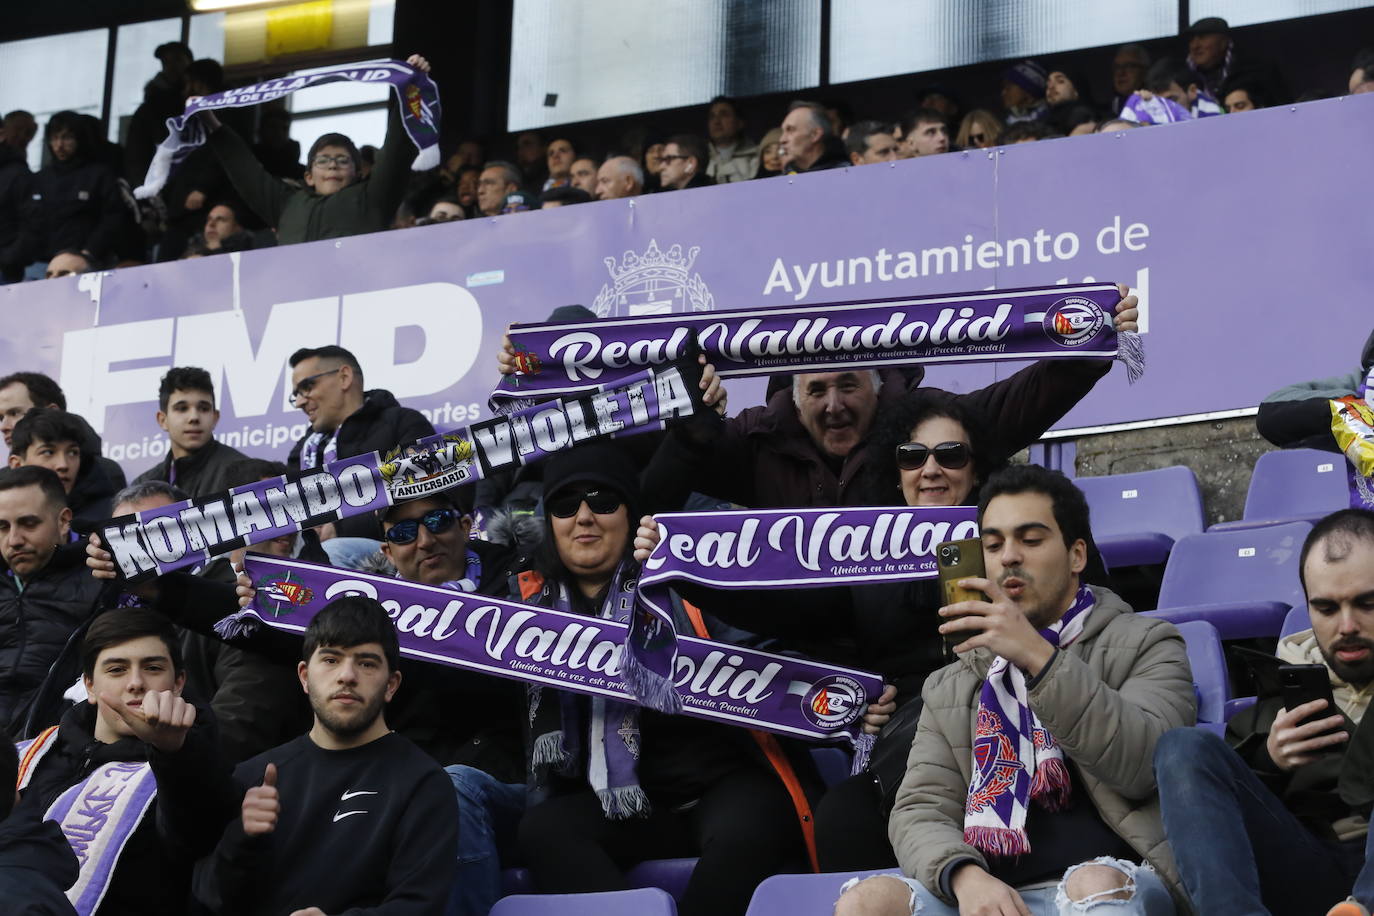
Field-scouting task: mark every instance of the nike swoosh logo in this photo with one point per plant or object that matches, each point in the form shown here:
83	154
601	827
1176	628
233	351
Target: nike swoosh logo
340	815
347	795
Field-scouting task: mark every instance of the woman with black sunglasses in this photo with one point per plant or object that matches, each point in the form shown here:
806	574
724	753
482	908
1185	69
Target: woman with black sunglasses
930	450
611	783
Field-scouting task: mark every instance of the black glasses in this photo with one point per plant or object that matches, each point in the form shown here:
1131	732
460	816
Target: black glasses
911	456
324	162
566	504
436	520
671	158
307	385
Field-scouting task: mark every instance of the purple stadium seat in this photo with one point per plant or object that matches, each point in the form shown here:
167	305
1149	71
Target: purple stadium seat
1300	484
803	895
1136	518
1297	620
1241	582
642	902
669	875
1208	662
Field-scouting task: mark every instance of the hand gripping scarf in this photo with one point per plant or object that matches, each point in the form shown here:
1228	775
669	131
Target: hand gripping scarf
1015	759
416	94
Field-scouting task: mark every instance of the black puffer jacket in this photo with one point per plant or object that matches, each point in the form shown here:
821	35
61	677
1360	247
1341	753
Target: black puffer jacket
36	866
204	472
36	623
380	424
14	197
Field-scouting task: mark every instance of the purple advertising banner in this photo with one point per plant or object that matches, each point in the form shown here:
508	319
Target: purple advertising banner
1243	235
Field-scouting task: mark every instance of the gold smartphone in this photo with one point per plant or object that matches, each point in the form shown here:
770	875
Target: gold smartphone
957	560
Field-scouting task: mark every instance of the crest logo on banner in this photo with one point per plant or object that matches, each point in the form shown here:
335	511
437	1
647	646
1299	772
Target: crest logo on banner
656	282
283	590
833	702
1074	320
427	467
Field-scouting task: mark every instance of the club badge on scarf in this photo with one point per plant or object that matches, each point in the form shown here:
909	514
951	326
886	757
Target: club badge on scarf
717	681
157	541
777	548
1352	425
1059	321
1015	760
416	95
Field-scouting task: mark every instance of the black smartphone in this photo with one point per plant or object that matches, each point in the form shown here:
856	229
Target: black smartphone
1301	684
957	560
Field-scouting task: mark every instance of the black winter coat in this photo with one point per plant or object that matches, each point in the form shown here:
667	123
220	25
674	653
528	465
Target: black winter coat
35	625
201	473
37	865
14	200
75	204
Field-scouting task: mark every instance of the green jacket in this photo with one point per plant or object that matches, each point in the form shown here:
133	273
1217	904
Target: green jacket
301	215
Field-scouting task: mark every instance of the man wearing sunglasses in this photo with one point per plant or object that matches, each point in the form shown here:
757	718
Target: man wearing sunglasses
427	540
346	420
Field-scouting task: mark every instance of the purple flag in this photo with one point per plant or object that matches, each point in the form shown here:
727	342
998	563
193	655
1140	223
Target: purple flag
415	93
1059	321
157	541
717	681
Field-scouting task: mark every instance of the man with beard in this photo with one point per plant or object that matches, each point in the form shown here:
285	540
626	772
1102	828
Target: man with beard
1279	824
349	814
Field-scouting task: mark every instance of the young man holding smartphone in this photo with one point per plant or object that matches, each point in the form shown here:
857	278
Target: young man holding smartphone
1280	823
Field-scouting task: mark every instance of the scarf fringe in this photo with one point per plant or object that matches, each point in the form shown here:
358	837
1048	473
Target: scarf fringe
426	159
649	688
997	841
863	750
1050	786
236	625
624	803
549	751
1131	351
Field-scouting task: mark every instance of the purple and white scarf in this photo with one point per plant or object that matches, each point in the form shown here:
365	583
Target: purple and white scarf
416	95
598	730
1160	110
98	815
1015	759
1052	322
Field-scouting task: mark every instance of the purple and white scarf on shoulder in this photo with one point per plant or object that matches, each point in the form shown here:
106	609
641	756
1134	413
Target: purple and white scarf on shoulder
1015	759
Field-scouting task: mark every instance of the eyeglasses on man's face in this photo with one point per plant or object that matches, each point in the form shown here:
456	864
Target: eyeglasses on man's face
307	385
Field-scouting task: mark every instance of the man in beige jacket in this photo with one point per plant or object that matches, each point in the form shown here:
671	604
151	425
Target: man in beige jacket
1029	788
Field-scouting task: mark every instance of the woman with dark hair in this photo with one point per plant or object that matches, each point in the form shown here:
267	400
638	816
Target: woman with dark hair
930	450
76	203
612	783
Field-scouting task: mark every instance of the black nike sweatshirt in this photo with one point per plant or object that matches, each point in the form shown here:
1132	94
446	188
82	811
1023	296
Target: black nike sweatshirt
368	830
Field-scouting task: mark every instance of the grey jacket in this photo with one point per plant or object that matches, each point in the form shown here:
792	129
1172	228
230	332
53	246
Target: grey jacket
1107	698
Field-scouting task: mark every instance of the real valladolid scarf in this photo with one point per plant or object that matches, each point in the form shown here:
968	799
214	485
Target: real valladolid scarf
1015	760
1049	323
558	649
415	92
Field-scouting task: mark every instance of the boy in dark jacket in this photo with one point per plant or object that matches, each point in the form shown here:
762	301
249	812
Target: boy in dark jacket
133	776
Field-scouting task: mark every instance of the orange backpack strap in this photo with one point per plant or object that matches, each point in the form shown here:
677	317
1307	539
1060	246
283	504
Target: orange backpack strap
777	758
531	583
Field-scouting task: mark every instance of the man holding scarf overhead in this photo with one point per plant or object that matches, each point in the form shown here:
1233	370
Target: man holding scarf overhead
336	200
1052	799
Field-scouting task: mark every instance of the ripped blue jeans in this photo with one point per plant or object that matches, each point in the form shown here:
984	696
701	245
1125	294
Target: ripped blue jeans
1148	895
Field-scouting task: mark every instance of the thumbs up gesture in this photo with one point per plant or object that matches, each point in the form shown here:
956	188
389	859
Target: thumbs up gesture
162	719
261	805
